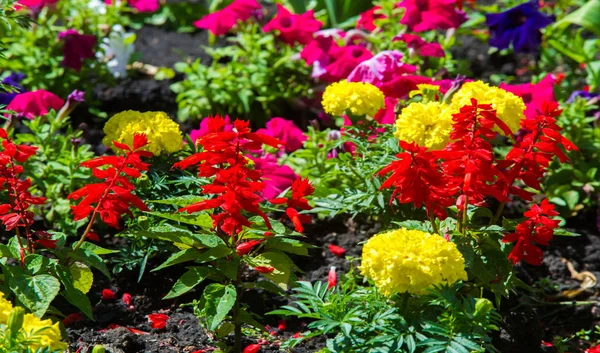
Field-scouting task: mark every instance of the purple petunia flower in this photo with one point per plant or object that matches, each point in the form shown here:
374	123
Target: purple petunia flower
519	26
14	80
582	94
76	48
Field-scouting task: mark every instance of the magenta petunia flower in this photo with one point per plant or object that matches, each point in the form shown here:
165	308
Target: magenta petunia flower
34	5
294	28
34	104
425	15
77	47
401	85
388	114
317	53
285	131
534	95
144	5
203	130
277	177
381	68
344	60
420	46
222	21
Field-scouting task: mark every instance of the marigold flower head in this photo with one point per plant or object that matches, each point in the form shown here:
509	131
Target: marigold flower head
40	333
411	261
356	98
163	133
426	124
509	107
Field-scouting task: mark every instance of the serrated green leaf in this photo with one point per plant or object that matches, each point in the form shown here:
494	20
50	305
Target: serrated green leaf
90	258
83	278
201	219
34	292
180	257
218	300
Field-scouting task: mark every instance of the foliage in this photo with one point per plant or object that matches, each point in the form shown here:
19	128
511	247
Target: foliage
253	77
362	320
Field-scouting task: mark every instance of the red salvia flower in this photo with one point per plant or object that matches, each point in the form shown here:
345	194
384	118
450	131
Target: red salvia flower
158	321
113	197
537	229
300	189
236	185
264	269
246	247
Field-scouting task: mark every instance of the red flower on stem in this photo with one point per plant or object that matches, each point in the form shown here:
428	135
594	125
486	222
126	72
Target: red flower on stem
300	189
113	197
537	229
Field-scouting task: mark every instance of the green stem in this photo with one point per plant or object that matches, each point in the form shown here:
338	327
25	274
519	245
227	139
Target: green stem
464	215
498	213
433	224
237	345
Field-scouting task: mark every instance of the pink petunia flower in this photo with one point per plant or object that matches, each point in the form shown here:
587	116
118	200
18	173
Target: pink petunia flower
345	59
388	114
400	86
33	104
285	131
425	15
222	21
34	5
534	95
277	177
77	47
294	28
420	46
317	53
203	130
381	68
144	5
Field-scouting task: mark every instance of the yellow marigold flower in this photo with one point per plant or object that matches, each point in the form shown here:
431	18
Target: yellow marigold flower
404	260
42	333
356	98
426	124
509	107
5	309
162	132
424	89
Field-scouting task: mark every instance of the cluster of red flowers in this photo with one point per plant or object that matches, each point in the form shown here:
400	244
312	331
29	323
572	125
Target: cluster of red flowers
15	214
112	197
538	228
466	172
235	183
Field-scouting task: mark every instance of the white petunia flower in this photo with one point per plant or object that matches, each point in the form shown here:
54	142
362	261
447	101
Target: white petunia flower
117	49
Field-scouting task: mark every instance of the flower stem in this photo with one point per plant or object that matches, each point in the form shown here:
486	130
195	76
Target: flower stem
498	213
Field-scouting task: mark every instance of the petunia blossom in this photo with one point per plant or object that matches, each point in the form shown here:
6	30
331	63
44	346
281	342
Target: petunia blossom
534	95
317	53
116	50
388	114
34	5
425	15
203	130
144	5
76	48
277	177
381	68
344	60
519	26
33	104
222	21
294	28
285	131
420	47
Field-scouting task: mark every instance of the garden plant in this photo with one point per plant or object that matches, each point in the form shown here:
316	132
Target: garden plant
245	176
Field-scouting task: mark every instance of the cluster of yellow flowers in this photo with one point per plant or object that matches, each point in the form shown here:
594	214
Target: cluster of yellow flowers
356	98
162	132
411	261
37	333
429	123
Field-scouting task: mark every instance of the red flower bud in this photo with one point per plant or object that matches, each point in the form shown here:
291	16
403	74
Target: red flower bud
337	250
331	278
246	247
253	348
264	269
93	236
268	234
158	321
108	294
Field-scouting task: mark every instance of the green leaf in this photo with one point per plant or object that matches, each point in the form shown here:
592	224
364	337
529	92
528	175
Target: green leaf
72	294
586	16
571	197
201	219
98	250
83	278
281	263
180	201
180	257
218	301
34	292
90	258
288	245
190	279
181	235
